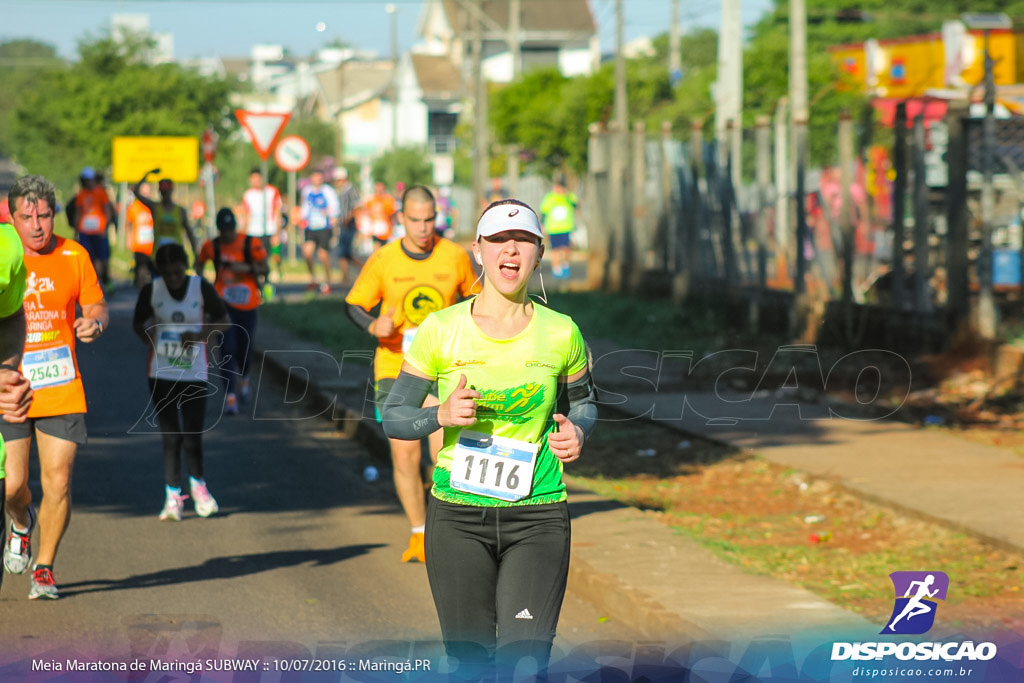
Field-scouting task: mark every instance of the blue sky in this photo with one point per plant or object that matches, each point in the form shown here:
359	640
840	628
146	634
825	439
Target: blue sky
206	28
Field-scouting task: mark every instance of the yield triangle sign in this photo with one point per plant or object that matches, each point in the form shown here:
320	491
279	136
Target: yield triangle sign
263	127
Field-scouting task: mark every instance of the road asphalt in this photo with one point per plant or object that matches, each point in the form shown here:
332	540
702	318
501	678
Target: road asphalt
667	587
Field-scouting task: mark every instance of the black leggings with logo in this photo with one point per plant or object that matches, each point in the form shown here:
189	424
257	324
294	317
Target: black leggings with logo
498	576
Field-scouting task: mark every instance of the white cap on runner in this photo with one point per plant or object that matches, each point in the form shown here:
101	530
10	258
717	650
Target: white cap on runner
508	217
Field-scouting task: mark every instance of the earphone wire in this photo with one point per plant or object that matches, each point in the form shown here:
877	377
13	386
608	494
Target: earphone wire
543	296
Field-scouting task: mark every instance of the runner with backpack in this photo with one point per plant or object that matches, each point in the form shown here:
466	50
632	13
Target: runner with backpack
240	265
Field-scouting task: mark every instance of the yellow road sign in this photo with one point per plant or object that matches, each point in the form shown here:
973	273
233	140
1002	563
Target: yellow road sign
176	157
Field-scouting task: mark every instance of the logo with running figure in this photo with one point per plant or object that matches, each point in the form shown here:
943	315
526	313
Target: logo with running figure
917	593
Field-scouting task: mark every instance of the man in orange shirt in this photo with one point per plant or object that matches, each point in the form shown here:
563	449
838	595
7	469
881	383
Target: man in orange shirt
90	213
59	276
239	260
139	228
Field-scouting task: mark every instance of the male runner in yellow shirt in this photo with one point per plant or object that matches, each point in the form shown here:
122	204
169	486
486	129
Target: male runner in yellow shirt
410	278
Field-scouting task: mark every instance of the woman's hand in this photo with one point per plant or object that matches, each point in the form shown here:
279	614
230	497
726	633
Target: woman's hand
459	409
566	443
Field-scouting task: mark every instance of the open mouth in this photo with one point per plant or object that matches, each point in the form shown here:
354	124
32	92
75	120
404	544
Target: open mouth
509	269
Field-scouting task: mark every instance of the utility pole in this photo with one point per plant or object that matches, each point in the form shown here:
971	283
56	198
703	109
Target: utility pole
481	165
618	194
515	47
675	61
799	114
393	11
846	222
987	322
782	185
729	88
621	104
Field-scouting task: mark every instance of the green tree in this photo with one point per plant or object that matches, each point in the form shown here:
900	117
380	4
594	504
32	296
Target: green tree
549	115
835	22
697	49
69	117
22	63
408	165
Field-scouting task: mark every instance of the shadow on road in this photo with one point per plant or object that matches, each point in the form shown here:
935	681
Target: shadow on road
230	567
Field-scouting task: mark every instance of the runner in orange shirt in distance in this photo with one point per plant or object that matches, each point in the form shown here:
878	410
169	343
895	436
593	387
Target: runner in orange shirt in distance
90	213
239	260
380	209
139	228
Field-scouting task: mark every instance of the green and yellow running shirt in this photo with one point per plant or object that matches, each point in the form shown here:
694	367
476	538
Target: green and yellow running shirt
518	382
12	290
12	271
559	212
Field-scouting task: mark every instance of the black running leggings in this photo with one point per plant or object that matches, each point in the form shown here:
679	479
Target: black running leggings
188	399
498	576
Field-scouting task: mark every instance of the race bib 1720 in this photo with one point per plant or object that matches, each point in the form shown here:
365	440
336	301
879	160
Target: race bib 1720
175	353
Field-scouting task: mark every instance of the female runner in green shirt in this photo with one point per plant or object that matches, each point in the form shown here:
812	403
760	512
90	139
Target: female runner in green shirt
519	404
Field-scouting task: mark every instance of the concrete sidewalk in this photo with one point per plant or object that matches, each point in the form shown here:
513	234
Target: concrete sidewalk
930	473
627	563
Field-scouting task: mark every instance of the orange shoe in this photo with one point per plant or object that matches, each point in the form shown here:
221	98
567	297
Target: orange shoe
415	551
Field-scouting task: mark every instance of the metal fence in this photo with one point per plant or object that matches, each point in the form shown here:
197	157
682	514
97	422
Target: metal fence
667	215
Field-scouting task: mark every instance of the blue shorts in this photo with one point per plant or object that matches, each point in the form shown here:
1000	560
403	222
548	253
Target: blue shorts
97	246
559	240
344	247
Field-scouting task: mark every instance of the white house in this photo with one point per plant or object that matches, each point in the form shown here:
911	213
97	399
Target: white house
562	34
355	96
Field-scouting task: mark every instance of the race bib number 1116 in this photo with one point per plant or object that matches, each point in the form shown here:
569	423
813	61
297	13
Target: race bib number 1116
493	466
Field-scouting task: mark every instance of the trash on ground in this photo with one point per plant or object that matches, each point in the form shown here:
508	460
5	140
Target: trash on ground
646	452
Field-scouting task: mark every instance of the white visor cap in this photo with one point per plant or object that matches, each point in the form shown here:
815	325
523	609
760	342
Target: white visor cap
506	217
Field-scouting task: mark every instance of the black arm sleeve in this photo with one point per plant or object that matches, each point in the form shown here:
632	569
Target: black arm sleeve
583	404
359	316
143	306
404	416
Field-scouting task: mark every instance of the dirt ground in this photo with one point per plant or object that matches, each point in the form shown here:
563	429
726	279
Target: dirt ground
776	521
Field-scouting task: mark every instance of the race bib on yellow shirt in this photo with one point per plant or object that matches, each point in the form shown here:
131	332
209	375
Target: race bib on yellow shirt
407	338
